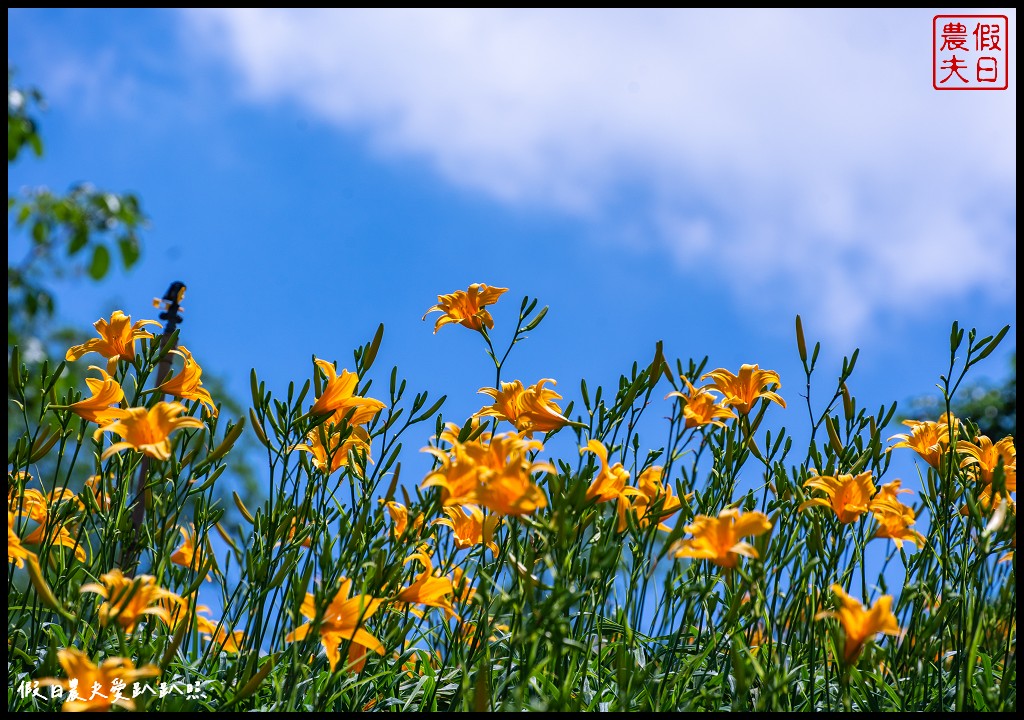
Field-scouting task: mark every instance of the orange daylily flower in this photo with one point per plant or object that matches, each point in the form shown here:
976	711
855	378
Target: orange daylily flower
400	518
339	398
610	481
179	609
848	495
718	539
981	461
984	457
463	591
105	392
928	438
127	600
742	391
99	491
531	409
87	676
16	552
473	529
31	503
62	538
34	505
413	667
186	554
860	624
296	527
335	454
700	407
894	518
1013	541
147	430
228	642
117	339
650	490
187	383
466	307
342	620
467	632
493	472
428	589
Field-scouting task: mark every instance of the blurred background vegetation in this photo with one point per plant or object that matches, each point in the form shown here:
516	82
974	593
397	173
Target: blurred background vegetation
82	233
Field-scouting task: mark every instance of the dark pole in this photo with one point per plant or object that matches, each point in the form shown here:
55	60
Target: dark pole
171	303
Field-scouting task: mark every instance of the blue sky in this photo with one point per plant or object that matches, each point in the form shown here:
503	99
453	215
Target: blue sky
697	177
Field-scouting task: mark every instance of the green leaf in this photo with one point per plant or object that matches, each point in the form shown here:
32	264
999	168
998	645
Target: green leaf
129	247
40	232
100	262
79	239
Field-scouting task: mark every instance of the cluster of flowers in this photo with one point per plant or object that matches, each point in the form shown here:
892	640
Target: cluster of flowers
483	477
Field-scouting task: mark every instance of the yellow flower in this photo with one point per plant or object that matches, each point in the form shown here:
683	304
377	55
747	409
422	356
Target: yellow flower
491	472
894	518
128	599
741	391
984	458
929	439
466	307
117	339
469	633
186	384
147	431
63	537
342	621
186	554
338	398
428	589
531	409
16	552
400	518
1013	541
179	609
99	491
861	624
37	507
296	525
849	496
700	407
473	529
464	592
610	481
228	642
649	492
34	505
718	539
92	684
335	454
105	393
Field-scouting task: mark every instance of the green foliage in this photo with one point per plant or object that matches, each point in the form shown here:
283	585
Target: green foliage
82	230
993	408
574	611
86	231
22	131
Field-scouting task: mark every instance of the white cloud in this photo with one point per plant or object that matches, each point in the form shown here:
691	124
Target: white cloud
803	154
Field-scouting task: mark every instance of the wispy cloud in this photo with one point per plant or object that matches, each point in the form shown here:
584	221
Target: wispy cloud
802	157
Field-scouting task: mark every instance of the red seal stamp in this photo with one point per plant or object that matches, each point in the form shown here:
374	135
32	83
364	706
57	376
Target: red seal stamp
970	52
